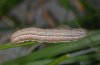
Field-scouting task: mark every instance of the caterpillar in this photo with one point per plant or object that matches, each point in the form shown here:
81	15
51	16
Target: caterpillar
47	35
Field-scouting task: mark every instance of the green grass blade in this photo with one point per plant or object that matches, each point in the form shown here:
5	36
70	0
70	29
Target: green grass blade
11	45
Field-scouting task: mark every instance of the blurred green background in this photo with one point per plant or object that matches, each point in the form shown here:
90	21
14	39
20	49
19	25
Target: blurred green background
71	14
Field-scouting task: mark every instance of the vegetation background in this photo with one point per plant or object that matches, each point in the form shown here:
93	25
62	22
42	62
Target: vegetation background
18	14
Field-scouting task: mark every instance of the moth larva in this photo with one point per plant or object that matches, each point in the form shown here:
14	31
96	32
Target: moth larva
47	35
